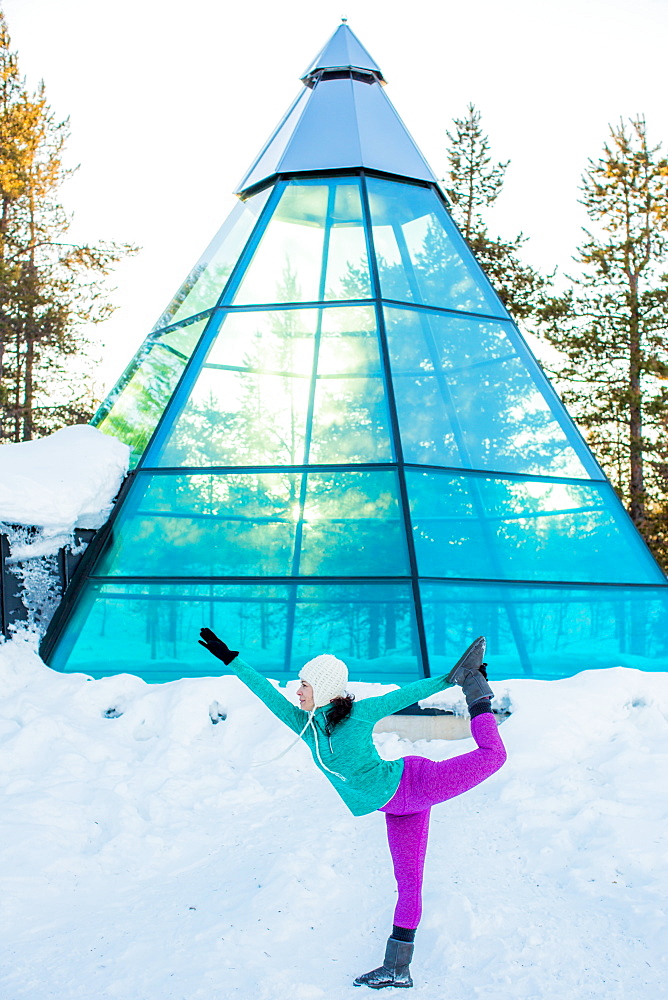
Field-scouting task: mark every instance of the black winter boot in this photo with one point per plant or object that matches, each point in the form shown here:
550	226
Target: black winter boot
395	968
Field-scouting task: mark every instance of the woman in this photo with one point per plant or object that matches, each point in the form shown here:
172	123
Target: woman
338	731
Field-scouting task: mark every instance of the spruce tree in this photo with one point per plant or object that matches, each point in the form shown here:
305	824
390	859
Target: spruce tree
50	289
611	326
473	184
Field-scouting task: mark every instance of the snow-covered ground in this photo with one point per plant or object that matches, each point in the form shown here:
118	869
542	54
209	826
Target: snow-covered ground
144	857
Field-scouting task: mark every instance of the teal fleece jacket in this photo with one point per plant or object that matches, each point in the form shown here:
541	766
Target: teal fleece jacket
362	778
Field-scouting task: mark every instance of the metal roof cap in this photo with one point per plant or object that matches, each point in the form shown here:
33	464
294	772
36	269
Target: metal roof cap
343	51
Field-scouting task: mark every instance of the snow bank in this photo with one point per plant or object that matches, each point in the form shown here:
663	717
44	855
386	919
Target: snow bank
60	482
143	856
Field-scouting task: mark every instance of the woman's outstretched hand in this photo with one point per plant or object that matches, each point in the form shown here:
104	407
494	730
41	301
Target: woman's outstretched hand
216	646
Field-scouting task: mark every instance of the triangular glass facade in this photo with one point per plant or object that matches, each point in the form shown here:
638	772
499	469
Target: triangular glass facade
343	443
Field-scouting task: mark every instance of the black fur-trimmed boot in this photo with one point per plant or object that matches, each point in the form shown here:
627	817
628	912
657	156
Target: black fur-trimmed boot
395	969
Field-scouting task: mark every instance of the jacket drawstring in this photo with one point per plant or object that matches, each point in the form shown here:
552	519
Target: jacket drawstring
317	750
309	722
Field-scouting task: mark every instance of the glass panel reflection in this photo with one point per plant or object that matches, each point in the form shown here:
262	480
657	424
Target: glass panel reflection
350	422
352	524
491	528
547	632
240	418
467	398
370	626
205	525
313	248
205	283
250	403
348	342
350	418
133	408
151	629
421	255
247	524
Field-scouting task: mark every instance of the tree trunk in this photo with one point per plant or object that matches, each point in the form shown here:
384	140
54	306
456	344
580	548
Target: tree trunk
636	484
28	390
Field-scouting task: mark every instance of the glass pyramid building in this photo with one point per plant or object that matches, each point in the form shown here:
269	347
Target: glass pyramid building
341	442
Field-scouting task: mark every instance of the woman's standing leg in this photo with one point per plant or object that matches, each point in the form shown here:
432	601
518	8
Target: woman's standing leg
407	838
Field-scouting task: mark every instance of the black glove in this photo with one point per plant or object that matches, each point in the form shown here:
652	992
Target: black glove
483	670
216	646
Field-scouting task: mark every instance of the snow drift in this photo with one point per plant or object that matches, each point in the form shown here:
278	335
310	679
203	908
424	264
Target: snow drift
144	857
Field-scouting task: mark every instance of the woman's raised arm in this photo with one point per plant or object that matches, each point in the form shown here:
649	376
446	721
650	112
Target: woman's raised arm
257	682
377	708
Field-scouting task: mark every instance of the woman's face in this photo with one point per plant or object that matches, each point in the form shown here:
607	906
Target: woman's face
305	695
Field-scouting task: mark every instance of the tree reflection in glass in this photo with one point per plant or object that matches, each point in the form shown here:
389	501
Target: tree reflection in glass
466	398
132	411
422	257
253	398
316	232
206	282
474	526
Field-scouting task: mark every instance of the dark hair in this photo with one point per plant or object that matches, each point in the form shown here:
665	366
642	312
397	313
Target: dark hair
339	710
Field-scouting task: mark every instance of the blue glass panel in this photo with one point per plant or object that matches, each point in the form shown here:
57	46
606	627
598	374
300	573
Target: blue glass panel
237	418
271	341
151	629
350	418
133	408
313	248
205	283
205	525
370	626
422	341
249	403
348	343
547	632
491	528
421	255
468	398
244	524
352	525
350	422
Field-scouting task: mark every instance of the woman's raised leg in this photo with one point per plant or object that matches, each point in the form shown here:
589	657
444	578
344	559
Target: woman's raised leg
424	782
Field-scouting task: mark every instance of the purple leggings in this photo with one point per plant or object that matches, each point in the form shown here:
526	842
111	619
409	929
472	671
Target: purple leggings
423	784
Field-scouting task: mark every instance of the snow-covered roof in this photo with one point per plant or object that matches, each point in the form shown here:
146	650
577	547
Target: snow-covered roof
67	479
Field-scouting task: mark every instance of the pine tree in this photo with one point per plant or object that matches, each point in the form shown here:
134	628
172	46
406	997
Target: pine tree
49	288
473	184
612	324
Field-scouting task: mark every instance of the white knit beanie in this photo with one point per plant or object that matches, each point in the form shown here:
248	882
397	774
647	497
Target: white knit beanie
328	677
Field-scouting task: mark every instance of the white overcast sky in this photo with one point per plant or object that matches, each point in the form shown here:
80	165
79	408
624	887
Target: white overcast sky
170	101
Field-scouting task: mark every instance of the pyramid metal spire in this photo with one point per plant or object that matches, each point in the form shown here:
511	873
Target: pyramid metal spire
342	119
343	51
